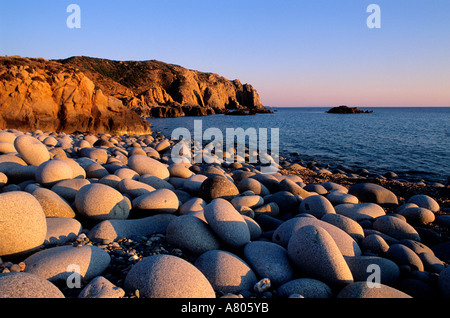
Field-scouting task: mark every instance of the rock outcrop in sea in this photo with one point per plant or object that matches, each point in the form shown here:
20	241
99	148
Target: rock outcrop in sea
348	110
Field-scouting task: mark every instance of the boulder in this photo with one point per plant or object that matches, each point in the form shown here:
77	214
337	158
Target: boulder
167	276
146	165
314	252
31	150
226	272
373	193
158	201
23	227
217	187
22	285
58	263
227	223
101	202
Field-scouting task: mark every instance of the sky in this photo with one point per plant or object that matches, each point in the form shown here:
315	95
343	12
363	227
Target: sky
294	52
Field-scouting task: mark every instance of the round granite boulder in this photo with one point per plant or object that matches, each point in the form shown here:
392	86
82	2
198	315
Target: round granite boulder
227	223
314	252
146	165
25	285
23	226
216	187
373	193
59	263
167	276
226	272
101	202
31	150
425	201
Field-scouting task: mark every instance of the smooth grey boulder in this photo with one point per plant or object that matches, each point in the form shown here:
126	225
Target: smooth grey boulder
373	269
115	229
59	263
306	287
167	276
226	272
100	287
395	227
316	205
362	290
25	285
227	223
424	201
23	227
314	252
101	202
192	234
347	245
361	211
374	193
31	150
403	255
269	260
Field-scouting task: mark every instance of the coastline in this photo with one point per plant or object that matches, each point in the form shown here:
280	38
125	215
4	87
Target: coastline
125	252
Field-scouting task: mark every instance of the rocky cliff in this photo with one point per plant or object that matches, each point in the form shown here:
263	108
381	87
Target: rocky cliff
42	94
92	94
157	89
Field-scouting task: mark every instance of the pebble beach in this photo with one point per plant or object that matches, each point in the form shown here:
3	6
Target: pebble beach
109	216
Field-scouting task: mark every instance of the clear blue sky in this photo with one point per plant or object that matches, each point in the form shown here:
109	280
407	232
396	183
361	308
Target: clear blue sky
295	53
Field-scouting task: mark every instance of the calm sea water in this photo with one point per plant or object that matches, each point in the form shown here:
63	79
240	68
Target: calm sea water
413	142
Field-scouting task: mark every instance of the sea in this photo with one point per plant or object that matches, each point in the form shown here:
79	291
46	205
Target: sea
413	142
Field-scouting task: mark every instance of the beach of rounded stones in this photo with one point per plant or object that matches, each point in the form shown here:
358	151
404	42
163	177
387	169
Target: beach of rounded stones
108	216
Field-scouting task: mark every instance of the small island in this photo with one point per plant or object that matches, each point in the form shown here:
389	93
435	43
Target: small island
348	110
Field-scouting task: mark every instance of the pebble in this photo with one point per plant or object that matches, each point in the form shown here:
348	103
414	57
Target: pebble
167	276
67	189
345	242
364	267
403	255
418	215
134	188
226	272
314	252
253	185
346	224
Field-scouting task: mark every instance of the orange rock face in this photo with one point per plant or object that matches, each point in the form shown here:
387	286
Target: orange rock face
41	94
